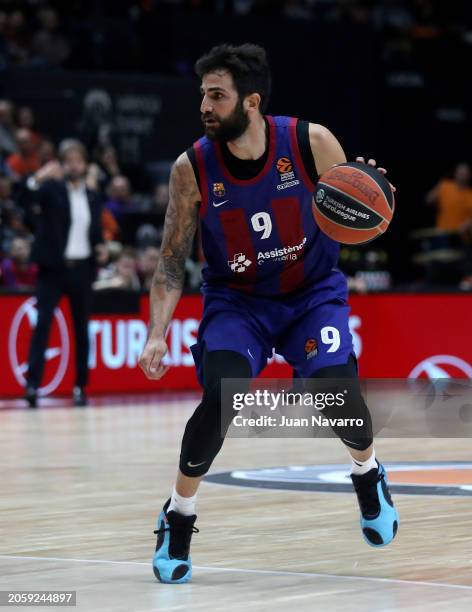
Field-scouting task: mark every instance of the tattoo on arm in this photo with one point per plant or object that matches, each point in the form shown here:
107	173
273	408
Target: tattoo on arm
179	226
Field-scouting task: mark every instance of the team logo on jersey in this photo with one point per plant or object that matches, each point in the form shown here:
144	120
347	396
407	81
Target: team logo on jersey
219	190
239	263
285	168
311	348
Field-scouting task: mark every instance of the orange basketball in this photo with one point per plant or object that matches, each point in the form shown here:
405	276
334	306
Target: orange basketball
353	203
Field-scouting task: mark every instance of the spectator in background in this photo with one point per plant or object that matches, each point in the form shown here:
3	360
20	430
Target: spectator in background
148	234
17	272
124	275
25	119
427	22
110	226
147	263
48	46
161	198
120	198
26	160
111	229
11	217
7	128
107	267
46	152
453	198
108	162
4	167
3	42
18	37
5	192
107	165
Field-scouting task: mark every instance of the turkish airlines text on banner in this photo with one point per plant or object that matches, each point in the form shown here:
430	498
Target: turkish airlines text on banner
394	336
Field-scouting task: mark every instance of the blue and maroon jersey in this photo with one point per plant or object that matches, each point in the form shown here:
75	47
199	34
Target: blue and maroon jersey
259	235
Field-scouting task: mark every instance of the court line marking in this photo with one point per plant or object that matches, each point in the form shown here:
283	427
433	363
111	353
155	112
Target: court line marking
255	571
249	488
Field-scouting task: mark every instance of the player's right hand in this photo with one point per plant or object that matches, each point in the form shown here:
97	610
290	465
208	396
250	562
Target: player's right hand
151	358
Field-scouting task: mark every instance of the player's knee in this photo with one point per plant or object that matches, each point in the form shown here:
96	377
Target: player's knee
218	365
206	429
349	415
345	370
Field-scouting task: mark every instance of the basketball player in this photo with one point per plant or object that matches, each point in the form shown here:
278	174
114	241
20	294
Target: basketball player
249	183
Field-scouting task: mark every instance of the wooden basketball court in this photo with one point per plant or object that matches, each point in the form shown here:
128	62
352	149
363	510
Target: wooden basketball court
81	489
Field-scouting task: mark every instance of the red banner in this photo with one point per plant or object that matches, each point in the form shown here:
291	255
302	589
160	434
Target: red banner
395	336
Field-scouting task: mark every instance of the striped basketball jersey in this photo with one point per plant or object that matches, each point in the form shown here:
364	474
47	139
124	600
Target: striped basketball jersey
259	235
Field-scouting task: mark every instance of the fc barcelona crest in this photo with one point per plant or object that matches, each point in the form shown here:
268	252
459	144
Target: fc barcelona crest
219	190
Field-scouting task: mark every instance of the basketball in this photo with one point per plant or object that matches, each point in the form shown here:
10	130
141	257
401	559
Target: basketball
353	203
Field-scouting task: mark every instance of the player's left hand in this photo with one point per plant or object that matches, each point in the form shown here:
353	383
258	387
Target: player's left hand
373	163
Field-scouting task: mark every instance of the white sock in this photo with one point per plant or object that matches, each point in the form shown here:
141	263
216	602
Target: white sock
182	505
362	467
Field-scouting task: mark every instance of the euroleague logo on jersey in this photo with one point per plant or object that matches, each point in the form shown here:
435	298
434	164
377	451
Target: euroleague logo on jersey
285	168
311	348
284	165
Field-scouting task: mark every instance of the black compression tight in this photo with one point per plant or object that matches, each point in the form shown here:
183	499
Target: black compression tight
206	428
358	438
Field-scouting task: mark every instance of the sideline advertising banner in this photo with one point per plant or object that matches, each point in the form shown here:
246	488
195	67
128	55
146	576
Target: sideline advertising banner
395	336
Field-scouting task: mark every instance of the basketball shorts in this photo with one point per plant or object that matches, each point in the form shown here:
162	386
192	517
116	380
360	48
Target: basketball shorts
310	328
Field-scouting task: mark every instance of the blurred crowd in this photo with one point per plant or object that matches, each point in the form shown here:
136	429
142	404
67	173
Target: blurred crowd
443	251
89	34
25	152
53	35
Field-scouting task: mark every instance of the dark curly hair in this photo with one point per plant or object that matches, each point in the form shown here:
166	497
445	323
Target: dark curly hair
247	64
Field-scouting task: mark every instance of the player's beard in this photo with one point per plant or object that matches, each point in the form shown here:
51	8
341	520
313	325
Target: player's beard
231	127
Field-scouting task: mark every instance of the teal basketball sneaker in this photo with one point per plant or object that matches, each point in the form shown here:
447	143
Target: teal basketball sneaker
172	562
379	517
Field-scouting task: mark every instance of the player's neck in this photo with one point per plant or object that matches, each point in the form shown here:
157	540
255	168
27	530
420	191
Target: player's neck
252	144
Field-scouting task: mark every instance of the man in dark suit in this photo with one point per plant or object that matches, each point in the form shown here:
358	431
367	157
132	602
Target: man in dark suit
68	239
